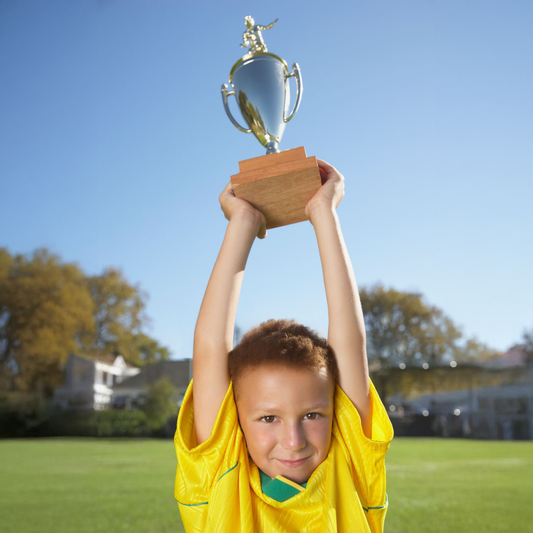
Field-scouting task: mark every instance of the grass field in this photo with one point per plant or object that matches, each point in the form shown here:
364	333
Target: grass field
113	486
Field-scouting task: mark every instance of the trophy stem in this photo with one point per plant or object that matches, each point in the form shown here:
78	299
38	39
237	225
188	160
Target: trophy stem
272	147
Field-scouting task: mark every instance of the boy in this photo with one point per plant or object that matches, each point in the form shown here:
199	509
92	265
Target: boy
289	435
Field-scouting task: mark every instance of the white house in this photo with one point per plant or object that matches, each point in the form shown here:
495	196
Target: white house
89	382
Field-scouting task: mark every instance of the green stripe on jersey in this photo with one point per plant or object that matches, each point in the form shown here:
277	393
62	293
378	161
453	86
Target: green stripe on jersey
278	489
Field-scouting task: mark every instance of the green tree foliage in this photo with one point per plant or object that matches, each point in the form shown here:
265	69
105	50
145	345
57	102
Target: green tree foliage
148	350
50	309
472	350
415	381
402	328
118	314
118	423
44	306
119	319
161	403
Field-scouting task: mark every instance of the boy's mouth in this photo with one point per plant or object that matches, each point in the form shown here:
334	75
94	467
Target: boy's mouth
293	464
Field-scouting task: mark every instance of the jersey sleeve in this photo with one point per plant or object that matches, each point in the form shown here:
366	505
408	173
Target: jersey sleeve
200	466
366	456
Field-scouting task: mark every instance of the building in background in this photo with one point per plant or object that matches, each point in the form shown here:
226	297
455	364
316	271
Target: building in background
499	412
127	393
110	382
514	357
89	382
494	402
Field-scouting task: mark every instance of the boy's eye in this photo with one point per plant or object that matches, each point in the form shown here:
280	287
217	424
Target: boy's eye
268	419
311	416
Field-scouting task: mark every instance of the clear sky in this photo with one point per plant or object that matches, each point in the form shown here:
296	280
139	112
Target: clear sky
114	146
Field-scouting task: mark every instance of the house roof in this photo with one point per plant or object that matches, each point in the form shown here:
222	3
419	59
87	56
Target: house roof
177	371
515	356
106	359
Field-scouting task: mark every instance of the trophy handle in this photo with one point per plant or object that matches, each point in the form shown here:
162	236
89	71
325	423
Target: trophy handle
296	73
225	95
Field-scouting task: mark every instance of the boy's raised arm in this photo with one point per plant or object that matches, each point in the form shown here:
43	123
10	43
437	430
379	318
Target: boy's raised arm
346	331
213	335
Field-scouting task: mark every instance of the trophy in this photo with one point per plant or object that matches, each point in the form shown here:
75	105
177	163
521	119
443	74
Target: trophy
279	184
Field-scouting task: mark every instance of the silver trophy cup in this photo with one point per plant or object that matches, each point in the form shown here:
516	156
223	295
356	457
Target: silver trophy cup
260	83
279	184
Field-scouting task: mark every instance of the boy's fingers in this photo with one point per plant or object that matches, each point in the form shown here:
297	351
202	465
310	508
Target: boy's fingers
332	173
327	171
323	175
326	166
262	230
228	189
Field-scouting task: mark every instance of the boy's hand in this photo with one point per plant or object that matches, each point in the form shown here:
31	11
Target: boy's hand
234	207
332	191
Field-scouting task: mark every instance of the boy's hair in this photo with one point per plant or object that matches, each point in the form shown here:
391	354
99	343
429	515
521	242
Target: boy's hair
284	343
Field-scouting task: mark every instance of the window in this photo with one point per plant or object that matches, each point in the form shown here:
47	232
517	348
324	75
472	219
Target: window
484	405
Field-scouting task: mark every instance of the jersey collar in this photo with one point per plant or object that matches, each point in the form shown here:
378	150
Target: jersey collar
279	488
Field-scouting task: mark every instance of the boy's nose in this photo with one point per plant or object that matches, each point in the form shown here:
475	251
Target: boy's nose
293	437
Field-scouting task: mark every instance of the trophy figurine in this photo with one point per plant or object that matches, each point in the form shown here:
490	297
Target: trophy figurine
279	184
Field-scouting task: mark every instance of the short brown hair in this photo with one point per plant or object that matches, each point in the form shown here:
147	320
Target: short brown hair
285	343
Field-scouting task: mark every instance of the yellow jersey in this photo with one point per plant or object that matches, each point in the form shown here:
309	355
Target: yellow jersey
220	490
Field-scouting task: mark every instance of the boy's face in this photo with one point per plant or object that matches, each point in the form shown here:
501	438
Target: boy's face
286	415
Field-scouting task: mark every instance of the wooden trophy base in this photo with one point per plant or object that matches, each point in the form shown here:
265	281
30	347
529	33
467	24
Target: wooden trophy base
279	185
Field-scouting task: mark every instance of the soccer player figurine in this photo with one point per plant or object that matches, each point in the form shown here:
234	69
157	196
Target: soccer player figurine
285	432
253	36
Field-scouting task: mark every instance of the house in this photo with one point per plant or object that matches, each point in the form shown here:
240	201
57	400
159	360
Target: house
126	393
484	400
498	412
89	382
514	357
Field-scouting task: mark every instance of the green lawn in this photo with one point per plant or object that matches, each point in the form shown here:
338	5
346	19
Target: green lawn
88	486
114	485
459	486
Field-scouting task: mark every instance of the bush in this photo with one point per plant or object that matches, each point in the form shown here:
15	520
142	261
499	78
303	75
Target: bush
19	423
117	423
28	416
161	404
22	415
72	423
108	423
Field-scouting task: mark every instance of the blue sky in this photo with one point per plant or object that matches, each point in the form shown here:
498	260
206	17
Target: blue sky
114	146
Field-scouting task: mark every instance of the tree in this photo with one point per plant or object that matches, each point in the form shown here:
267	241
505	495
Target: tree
412	382
527	340
161	403
50	309
471	350
119	319
402	328
44	307
118	314
148	350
